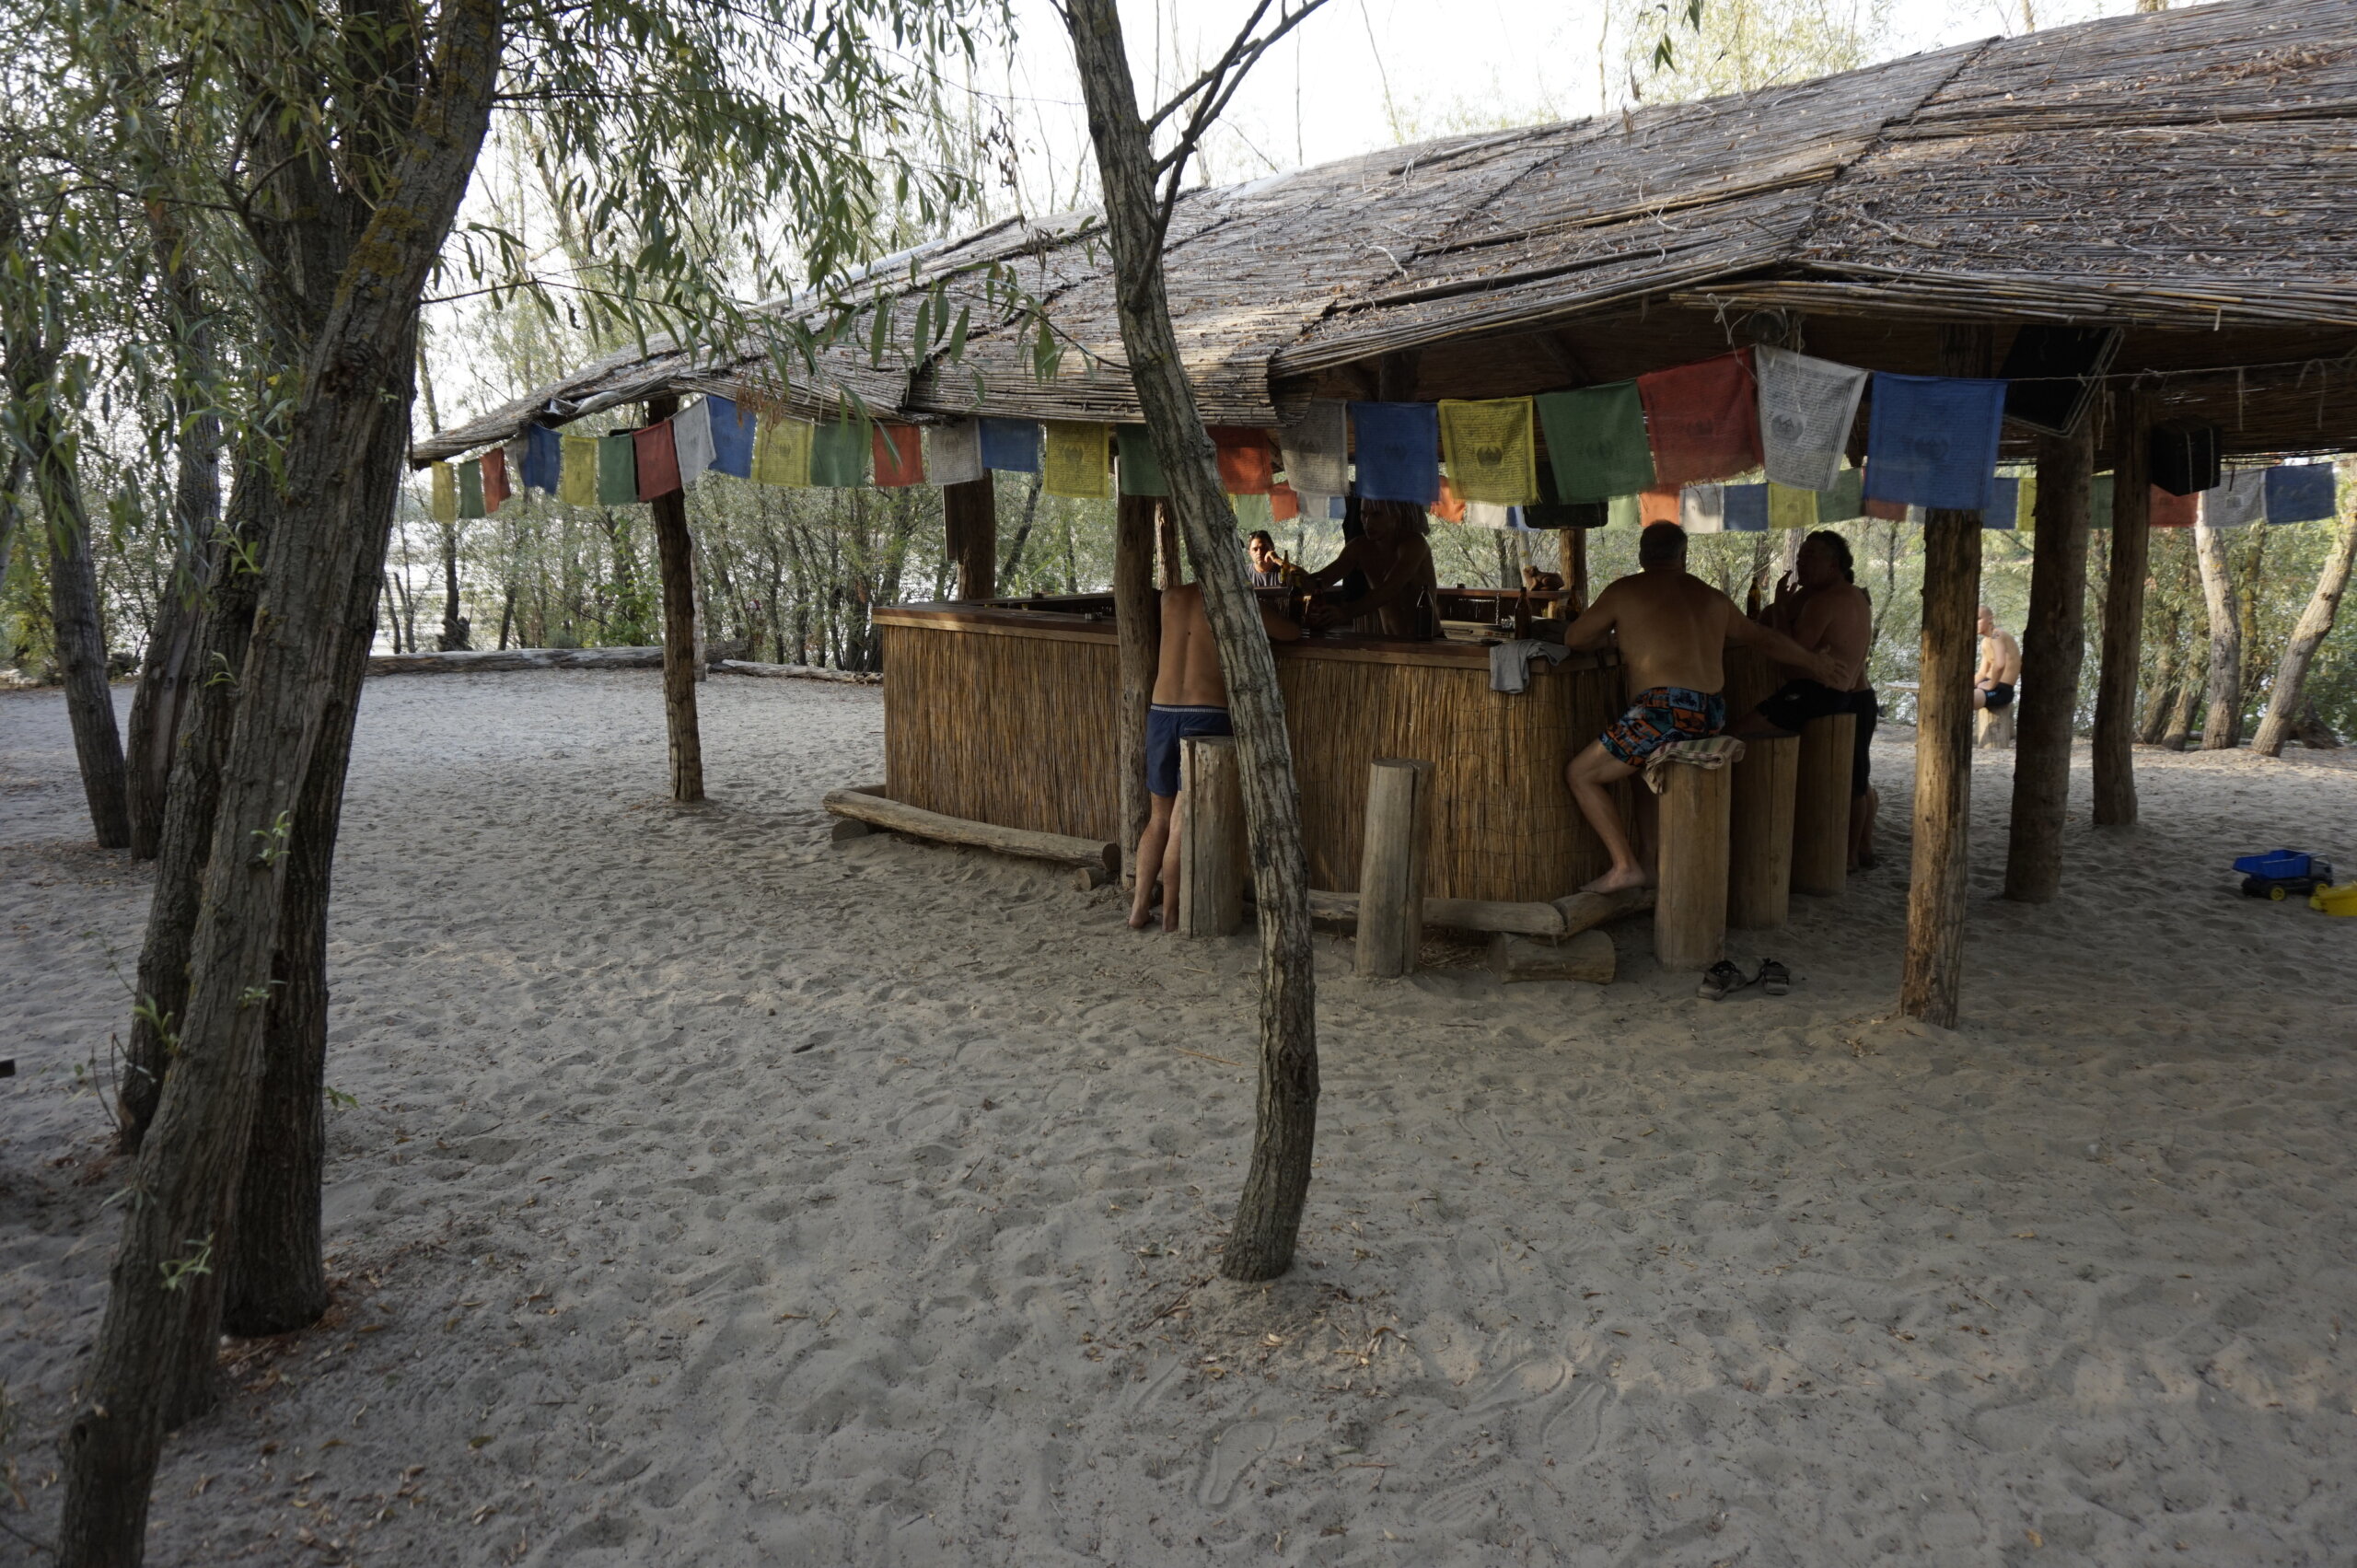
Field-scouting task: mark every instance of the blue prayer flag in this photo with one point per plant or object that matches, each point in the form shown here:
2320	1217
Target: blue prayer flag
1933	441
732	436
1397	451
543	459
1011	445
2300	492
2003	512
1745	508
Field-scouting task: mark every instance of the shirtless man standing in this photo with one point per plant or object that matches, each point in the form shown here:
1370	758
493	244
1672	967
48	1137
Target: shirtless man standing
2001	664
1397	562
1190	698
1672	630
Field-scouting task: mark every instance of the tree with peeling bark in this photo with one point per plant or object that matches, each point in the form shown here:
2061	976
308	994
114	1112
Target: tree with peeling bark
2285	701
2221	721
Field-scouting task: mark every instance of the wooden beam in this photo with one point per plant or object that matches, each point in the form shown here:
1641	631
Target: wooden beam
1455	914
1691	916
1821	806
969	519
1931	978
2053	647
675	560
1210	837
2123	612
1391	871
1759	833
1137	629
877	811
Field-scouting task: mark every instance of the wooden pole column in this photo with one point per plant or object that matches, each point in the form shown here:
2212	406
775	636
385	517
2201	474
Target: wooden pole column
1932	979
675	559
2053	647
1137	629
1210	837
1391	866
1821	806
1759	833
2123	612
969	519
1576	565
1691	910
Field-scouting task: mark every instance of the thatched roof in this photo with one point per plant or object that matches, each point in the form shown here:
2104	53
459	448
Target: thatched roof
2186	171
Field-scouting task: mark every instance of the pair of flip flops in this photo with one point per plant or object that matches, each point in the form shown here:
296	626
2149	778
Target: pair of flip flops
1723	980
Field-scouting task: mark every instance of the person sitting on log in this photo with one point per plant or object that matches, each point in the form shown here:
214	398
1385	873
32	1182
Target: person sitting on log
1190	698
2001	664
1672	630
1821	607
1269	570
1396	560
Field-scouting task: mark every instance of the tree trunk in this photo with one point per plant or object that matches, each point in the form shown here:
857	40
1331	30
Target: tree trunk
455	627
1137	615
2221	721
2123	615
1268	1214
1022	533
2289	697
2053	647
969	522
675	559
1932	979
2178	732
1574	565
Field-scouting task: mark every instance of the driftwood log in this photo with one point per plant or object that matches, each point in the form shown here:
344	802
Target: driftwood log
514	658
1452	915
1583	912
1096	861
797	672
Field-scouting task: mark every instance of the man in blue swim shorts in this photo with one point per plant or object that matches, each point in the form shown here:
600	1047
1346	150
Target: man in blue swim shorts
1672	630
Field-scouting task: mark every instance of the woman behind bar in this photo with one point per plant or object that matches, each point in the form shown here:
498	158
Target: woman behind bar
1397	562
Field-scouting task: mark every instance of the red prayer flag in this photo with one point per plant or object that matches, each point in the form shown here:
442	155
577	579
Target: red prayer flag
658	460
1247	463
1658	504
2172	511
1889	511
494	479
1703	418
1450	507
899	455
1284	505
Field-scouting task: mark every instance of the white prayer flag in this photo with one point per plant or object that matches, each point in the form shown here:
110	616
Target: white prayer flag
2239	500
953	452
1488	515
1702	508
1317	449
1806	407
691	439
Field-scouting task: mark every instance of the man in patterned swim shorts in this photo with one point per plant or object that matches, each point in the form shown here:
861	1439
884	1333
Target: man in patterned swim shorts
1672	630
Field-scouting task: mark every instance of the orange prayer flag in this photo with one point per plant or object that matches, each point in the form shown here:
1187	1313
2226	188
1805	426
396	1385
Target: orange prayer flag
2173	511
1248	460
899	455
1659	505
1889	511
1283	505
494	479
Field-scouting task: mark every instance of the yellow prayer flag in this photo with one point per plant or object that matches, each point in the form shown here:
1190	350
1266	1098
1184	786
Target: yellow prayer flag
445	485
1791	508
1079	461
577	474
782	451
1491	453
2026	512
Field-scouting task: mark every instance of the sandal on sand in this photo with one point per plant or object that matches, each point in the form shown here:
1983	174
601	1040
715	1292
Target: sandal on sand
1720	980
1774	978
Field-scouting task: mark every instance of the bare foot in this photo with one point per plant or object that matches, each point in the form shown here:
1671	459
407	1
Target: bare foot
1620	879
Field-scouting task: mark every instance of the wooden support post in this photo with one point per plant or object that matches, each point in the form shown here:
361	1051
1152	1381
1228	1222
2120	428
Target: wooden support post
1759	833
1137	622
1210	837
969	519
1931	980
1576	565
1691	911
675	560
1391	866
2123	612
1821	806
2053	647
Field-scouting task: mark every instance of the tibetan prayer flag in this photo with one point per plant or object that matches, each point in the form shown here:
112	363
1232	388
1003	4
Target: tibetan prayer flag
1010	445
899	455
1077	458
2238	499
839	454
1624	511
442	494
577	476
1703	420
1791	508
495	479
953	452
1702	508
1806	407
1888	511
617	470
692	442
1933	441
1141	469
470	489
1595	441
511	466
1247	464
1317	448
658	460
1746	508
1399	451
733	427
1252	511
1659	503
543	465
1494	514
782	451
1491	449
2172	511
2300	492
2099	494
2004	503
1284	503
2025	506
1844	500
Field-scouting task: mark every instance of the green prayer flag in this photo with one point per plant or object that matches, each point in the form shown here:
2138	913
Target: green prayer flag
1846	500
617	470
1141	469
1626	513
1595	441
470	489
1253	512
839	454
2100	502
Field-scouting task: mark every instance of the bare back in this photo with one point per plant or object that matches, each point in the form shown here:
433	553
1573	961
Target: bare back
1188	675
1671	628
2001	657
1839	621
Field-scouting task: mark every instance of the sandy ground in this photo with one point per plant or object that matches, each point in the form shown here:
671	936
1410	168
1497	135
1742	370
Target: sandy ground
716	1195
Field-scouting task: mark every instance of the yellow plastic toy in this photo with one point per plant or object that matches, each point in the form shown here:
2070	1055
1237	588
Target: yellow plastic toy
2335	900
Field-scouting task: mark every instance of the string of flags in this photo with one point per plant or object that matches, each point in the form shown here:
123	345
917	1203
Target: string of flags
1678	445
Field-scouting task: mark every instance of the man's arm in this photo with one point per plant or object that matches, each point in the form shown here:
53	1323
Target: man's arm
1409	564
1334	571
1749	633
1987	669
1280	628
1593	630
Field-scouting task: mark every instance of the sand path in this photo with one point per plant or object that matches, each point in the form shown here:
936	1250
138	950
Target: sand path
716	1195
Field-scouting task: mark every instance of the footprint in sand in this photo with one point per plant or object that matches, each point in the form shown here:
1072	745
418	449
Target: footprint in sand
1232	1453
1525	1380
1574	1431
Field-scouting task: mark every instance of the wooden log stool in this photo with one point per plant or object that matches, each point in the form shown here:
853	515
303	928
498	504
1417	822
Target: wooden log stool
1391	866
1821	806
1993	727
1211	853
1759	833
1691	907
